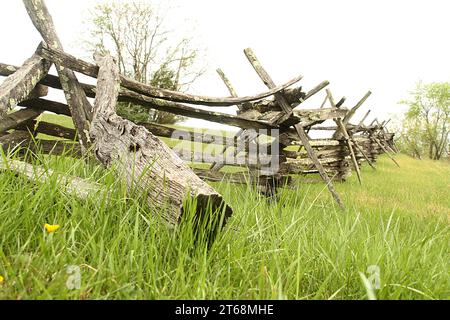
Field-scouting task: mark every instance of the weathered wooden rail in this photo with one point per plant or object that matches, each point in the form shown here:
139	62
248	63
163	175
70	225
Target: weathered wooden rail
271	147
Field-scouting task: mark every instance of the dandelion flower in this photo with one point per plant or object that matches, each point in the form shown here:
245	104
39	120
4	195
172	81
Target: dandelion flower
50	228
2	280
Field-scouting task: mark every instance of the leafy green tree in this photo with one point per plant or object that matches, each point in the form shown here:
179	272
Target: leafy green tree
146	50
426	127
409	138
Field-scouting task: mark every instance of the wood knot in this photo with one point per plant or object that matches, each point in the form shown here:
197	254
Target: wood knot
134	147
134	131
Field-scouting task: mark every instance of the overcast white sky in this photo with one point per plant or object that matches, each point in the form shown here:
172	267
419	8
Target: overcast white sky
385	46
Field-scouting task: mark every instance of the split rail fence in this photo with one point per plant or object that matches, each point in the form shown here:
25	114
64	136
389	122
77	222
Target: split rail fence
272	149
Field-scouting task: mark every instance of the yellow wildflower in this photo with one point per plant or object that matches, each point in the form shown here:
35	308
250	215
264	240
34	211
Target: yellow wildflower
50	228
2	280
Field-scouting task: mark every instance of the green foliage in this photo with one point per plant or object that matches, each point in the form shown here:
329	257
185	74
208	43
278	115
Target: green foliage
426	127
164	78
133	112
298	247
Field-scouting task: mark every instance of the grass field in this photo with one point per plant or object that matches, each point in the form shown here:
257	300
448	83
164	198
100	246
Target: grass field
298	247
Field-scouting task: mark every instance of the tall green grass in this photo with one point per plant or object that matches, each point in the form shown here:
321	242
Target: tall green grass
299	246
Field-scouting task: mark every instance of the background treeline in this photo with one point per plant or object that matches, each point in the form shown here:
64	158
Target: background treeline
424	130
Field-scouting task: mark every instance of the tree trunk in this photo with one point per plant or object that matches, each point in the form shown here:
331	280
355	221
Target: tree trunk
143	160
